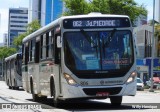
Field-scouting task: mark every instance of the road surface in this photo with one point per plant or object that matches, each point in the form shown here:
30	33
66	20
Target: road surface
143	101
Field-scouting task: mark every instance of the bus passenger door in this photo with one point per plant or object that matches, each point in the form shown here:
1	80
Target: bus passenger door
7	73
57	67
25	56
36	67
10	77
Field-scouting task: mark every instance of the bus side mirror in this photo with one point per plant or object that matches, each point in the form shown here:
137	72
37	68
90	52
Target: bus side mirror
59	42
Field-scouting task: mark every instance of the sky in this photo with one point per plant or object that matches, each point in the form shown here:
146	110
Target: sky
149	6
4	8
6	4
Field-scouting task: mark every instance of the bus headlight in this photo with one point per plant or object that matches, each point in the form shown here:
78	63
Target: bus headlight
69	79
132	77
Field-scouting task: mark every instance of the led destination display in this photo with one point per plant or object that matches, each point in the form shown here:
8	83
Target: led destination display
96	23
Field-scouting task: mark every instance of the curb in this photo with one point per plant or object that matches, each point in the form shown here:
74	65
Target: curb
154	90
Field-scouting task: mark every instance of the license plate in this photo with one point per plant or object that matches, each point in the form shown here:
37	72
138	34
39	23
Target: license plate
102	94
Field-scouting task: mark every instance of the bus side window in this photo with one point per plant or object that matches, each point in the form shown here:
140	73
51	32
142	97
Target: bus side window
56	51
37	50
52	44
32	50
43	46
41	39
22	53
49	44
26	54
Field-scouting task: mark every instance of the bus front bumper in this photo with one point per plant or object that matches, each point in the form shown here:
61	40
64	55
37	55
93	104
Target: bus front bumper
94	91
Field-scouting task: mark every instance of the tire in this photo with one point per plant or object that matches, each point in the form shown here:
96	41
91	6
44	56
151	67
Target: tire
36	98
15	87
10	87
56	101
116	100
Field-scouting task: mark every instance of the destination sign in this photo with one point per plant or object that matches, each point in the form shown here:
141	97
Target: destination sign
90	23
96	23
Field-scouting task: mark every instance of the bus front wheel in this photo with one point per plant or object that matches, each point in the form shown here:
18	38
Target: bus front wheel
116	100
56	101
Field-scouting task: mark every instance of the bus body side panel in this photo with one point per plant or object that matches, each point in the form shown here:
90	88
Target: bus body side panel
13	74
19	80
33	72
8	76
18	76
45	72
25	81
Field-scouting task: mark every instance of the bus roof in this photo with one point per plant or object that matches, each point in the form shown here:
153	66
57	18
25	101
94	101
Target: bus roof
57	22
94	14
12	56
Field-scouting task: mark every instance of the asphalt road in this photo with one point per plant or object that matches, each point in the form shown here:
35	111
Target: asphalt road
143	101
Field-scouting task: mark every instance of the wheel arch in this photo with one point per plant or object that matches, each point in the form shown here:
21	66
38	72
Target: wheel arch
52	83
31	84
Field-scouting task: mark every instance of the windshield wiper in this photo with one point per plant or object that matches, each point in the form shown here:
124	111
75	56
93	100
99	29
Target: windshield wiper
109	37
107	41
89	40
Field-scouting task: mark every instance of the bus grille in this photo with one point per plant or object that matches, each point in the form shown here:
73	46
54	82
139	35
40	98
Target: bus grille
94	91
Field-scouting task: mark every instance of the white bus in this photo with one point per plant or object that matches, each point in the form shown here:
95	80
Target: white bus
83	56
13	73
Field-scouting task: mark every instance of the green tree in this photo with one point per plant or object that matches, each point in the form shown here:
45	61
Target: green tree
18	40
157	30
99	6
157	35
76	7
122	7
6	51
31	27
127	7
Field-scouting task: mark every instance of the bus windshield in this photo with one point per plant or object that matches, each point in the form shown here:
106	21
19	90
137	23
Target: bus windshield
98	50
